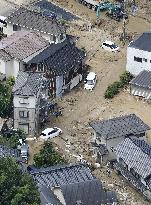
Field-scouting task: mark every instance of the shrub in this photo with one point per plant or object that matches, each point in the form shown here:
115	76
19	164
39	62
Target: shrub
112	90
48	156
115	88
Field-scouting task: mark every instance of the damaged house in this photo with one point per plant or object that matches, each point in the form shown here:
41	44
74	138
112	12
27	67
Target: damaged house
109	133
17	47
71	185
134	163
62	64
28	20
28	90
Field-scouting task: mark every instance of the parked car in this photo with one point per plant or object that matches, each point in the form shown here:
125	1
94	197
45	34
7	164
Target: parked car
50	133
90	81
24	152
110	46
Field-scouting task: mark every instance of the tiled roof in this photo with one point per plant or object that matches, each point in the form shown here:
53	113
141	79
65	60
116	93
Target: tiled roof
88	193
27	84
61	57
120	126
51	9
146	148
134	157
143	79
8	152
47	196
35	21
21	44
142	42
61	175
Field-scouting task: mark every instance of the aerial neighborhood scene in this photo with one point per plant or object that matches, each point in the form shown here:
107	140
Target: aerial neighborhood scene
75	102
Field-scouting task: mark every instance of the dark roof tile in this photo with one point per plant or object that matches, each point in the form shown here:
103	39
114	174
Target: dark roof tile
143	79
34	20
120	126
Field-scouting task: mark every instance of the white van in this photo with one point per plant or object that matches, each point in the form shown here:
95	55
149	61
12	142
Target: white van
90	81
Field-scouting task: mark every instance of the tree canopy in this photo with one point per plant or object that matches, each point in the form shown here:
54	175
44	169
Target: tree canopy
48	156
6	97
16	188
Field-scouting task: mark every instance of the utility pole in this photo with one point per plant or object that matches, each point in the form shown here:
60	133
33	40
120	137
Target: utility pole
124	23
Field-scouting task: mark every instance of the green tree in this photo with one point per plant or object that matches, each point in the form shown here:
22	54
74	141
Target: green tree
6	104
48	156
16	188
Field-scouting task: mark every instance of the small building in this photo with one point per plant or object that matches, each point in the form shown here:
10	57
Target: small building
71	185
134	163
141	85
29	88
139	54
9	152
63	65
28	20
17	47
113	131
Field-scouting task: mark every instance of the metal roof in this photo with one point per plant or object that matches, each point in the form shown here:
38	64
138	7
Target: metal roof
52	8
21	44
9	152
61	175
60	58
27	84
142	42
35	21
120	126
143	79
134	157
88	193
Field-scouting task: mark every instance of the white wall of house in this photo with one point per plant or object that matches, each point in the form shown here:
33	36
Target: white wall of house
30	102
135	67
140	91
2	66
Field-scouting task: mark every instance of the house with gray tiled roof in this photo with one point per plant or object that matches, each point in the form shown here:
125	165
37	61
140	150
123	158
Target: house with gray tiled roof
134	163
17	47
113	131
29	88
71	184
63	65
28	20
141	85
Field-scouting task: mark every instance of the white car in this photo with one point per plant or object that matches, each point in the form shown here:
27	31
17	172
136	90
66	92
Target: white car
110	46
90	81
50	133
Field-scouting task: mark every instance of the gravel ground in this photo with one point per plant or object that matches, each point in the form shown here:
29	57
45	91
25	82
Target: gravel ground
80	106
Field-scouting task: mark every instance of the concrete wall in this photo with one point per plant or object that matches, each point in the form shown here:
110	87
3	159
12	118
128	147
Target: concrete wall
30	107
140	91
2	66
135	67
59	85
57	191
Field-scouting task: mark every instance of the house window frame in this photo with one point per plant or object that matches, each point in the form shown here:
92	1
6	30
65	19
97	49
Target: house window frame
25	114
23	125
138	59
16	27
22	100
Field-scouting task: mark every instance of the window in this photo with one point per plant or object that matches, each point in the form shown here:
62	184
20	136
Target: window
23	114
144	59
138	59
23	100
61	37
24	127
54	38
40	67
16	28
